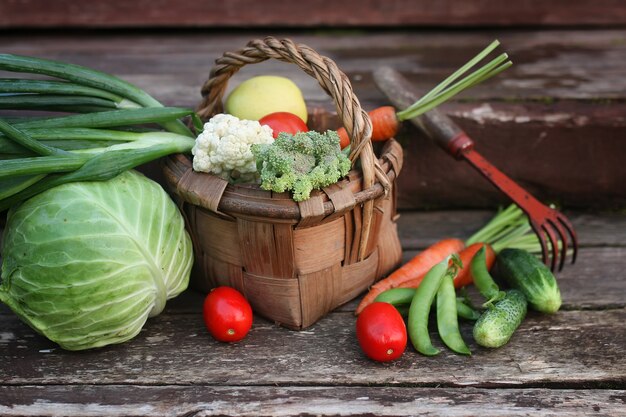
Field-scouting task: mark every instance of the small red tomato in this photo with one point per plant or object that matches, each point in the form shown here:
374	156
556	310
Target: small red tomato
227	314
284	122
381	332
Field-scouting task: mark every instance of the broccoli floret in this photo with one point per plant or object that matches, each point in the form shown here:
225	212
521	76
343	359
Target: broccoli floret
301	163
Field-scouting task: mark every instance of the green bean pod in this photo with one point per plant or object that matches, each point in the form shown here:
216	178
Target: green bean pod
401	299
483	280
465	311
420	309
396	296
447	319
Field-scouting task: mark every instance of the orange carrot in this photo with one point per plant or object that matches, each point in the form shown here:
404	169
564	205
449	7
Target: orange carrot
385	125
463	276
416	267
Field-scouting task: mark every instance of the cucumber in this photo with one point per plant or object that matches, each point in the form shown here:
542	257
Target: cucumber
498	323
523	271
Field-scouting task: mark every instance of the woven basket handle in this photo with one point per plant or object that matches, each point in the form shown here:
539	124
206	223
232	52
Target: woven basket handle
332	80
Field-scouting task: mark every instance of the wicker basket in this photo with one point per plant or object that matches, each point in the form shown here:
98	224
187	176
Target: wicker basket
295	262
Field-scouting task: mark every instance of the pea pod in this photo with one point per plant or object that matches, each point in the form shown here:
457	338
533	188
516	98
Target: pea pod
447	319
465	311
397	296
420	308
401	299
483	280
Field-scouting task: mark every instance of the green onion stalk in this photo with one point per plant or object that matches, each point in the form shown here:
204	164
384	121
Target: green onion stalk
452	85
116	126
509	228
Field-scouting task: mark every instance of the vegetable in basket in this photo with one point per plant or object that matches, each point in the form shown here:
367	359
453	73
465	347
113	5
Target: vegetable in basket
265	94
224	147
283	121
301	163
87	263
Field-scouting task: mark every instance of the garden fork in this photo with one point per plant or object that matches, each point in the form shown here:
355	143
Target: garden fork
548	224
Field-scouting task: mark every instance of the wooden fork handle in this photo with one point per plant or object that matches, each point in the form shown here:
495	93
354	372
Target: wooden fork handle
435	124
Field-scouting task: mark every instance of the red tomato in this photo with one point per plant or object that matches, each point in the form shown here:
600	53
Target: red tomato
381	332
284	122
227	314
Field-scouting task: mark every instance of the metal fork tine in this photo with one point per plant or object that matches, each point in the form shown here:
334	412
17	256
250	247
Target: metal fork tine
563	237
553	242
570	230
539	233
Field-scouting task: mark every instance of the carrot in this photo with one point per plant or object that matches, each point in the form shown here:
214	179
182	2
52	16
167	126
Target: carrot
385	125
463	276
416	267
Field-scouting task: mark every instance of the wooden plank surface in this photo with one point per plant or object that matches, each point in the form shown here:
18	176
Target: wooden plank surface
571	363
197	401
560	105
312	13
576	349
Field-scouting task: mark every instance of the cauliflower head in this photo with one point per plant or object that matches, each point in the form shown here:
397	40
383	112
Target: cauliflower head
301	163
224	147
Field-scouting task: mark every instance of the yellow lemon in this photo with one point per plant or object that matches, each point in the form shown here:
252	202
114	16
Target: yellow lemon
265	94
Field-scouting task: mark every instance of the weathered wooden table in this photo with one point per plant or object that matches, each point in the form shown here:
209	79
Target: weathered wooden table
555	122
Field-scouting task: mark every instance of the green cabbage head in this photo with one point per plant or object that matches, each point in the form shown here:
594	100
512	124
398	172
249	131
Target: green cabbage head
85	264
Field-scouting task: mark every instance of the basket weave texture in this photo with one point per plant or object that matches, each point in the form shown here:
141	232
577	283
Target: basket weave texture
294	262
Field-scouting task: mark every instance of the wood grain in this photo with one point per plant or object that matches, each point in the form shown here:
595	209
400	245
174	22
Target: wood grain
313	13
569	349
197	401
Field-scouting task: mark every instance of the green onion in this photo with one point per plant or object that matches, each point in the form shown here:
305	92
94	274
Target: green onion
113	118
69	139
86	77
16	85
41	165
26	141
451	87
509	228
54	102
13	185
88	165
116	128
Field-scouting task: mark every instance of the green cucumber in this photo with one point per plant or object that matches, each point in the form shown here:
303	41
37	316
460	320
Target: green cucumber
523	271
497	324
